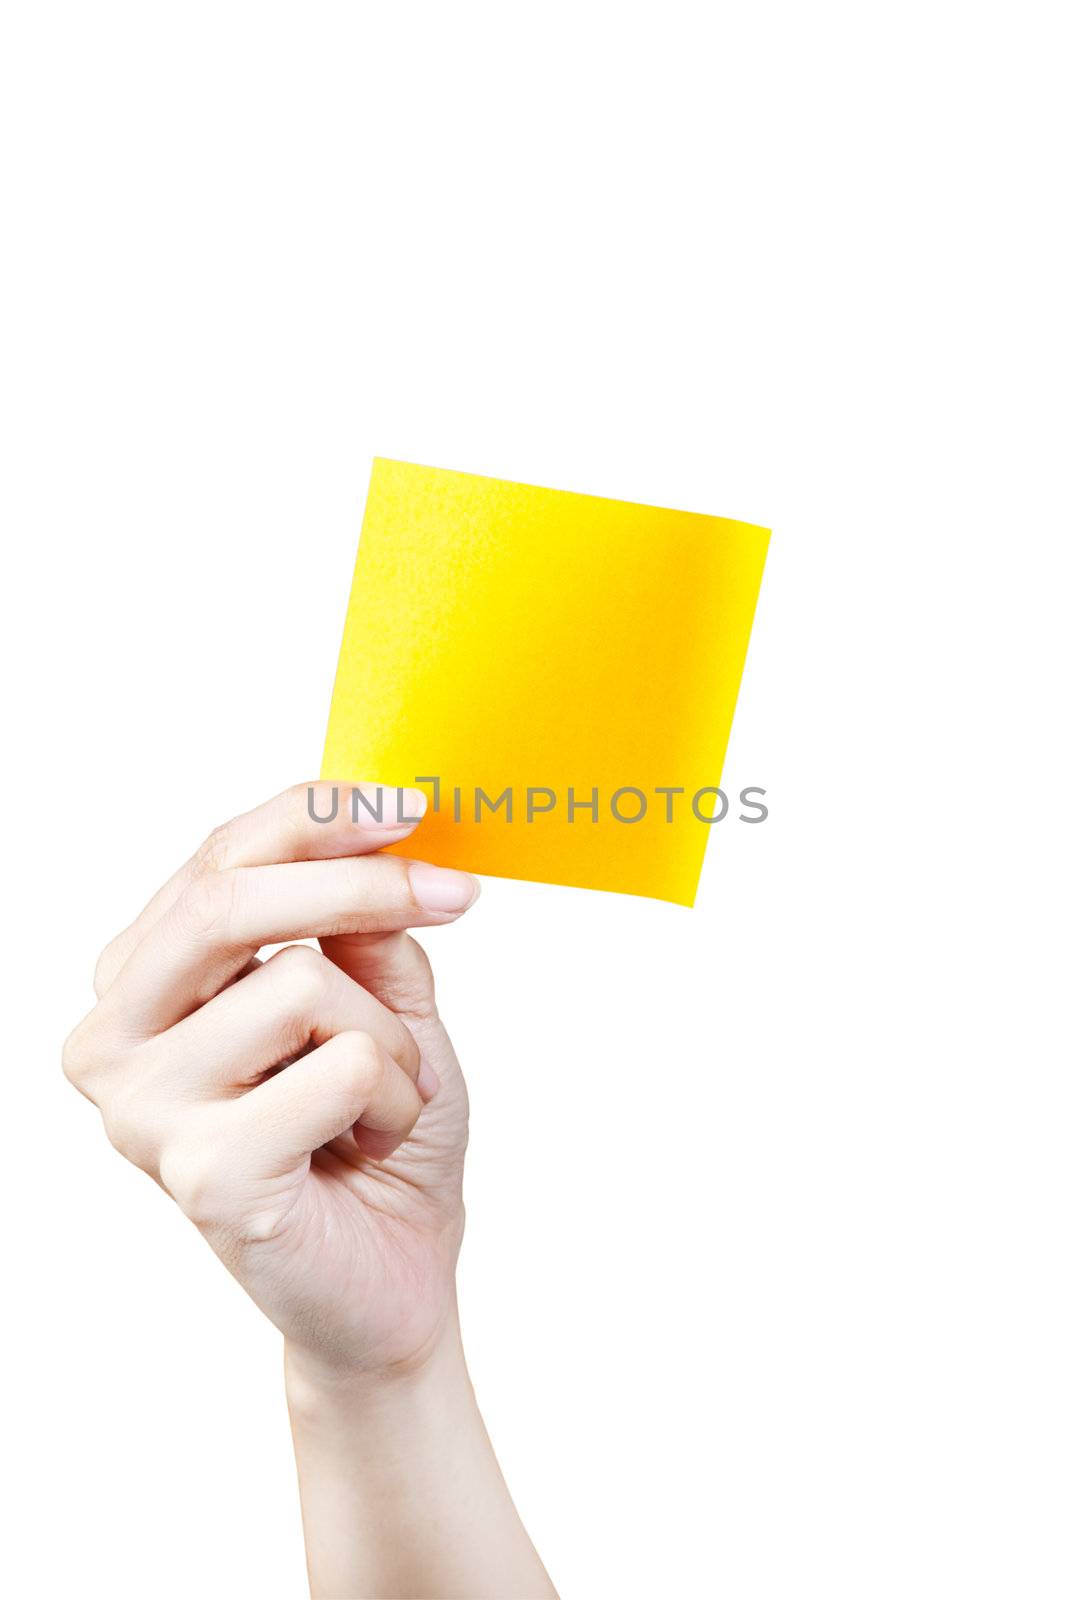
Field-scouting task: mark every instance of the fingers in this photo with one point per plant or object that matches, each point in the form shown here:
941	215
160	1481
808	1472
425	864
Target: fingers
220	920
307	822
392	966
350	1082
294	1000
217	1157
221	1075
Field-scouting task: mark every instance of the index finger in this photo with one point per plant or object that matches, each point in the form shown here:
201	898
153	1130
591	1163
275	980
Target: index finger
309	822
207	937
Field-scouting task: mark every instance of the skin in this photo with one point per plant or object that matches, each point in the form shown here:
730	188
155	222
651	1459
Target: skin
309	1115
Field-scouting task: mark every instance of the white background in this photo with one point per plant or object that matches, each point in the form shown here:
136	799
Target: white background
803	1336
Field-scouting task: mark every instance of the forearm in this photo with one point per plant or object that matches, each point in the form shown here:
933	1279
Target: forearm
400	1490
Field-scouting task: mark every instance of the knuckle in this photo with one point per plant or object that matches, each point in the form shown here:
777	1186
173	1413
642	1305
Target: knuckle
289	821
106	966
365	1062
213	855
207	905
294	807
303	976
126	1128
193	1176
78	1055
376	886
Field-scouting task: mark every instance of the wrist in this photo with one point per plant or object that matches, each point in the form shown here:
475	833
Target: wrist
314	1384
400	1489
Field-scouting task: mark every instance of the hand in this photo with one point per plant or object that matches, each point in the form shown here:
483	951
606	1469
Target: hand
308	1112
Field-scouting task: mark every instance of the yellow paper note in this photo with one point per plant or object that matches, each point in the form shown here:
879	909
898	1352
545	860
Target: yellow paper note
505	640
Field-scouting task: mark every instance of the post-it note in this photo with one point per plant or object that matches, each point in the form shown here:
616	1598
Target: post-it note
556	671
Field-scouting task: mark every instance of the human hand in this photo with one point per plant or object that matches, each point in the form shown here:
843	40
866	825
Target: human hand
307	1112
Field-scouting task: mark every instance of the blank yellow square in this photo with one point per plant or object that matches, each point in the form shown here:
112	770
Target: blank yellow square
504	637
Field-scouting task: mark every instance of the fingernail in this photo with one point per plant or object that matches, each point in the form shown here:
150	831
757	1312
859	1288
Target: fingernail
440	889
427	1082
376	805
